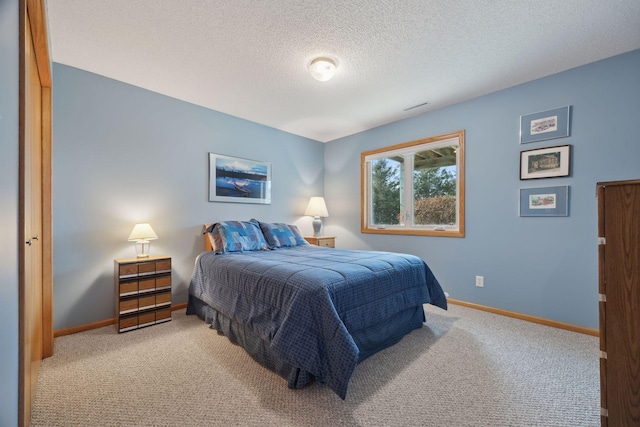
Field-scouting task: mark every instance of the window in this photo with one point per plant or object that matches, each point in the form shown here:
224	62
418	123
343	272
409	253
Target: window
415	188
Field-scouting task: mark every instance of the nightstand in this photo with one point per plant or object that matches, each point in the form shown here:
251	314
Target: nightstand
143	292
325	241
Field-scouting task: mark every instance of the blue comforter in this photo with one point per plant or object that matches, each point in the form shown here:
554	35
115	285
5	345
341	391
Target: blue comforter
305	300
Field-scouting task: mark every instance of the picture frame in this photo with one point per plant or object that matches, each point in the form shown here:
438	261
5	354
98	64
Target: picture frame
549	162
238	180
549	124
544	201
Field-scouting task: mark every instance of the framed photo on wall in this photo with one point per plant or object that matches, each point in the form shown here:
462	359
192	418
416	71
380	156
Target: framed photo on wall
545	125
550	162
238	180
544	201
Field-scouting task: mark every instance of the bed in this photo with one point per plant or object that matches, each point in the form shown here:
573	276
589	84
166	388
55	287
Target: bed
307	312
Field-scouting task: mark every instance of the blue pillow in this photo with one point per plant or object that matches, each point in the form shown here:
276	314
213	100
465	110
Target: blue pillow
279	235
236	236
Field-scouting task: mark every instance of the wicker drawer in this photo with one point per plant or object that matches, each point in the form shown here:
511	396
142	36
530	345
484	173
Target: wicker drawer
163	266
163	299
146	268
163	282
163	315
127	323
128	270
145	303
128	288
128	306
146	285
146	319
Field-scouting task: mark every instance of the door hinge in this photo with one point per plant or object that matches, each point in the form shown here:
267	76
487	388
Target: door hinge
602	298
602	241
604	412
603	354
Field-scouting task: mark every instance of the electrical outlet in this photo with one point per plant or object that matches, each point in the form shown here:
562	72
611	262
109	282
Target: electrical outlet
480	281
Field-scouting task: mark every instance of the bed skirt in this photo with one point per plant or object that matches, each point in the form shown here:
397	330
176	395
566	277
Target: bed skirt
380	334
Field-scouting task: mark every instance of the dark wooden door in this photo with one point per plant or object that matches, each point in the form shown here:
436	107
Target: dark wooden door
619	224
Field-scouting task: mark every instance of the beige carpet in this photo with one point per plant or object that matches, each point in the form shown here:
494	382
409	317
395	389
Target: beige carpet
464	368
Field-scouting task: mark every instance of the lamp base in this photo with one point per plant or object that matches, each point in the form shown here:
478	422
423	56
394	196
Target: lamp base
142	248
317	225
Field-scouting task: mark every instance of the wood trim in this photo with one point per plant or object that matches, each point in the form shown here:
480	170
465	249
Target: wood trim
602	294
83	328
525	317
38	21
528	318
102	323
461	173
208	246
402	145
36	14
47	226
24	405
614	183
180	306
33	30
602	284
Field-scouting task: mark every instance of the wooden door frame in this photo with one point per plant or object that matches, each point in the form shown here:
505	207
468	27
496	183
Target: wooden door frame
35	12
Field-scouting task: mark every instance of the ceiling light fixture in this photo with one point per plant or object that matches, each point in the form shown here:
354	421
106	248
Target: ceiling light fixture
323	69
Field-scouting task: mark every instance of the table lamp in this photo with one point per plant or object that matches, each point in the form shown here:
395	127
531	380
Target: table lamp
317	208
141	234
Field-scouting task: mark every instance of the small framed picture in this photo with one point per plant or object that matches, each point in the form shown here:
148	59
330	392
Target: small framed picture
238	180
550	162
544	201
544	125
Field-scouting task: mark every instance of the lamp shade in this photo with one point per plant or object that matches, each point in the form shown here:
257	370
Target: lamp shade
317	207
142	232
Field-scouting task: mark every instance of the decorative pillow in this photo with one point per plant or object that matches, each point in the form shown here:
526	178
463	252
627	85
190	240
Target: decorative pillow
279	235
299	239
236	236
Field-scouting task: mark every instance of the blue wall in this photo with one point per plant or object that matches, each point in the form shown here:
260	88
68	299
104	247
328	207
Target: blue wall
9	66
544	267
123	155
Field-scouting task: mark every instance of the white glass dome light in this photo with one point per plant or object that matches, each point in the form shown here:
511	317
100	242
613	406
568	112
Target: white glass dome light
322	69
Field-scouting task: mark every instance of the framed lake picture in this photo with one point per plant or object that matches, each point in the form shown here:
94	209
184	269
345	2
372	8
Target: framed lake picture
238	180
544	201
547	162
544	125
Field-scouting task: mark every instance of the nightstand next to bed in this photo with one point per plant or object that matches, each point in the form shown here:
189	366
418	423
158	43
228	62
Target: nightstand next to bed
326	241
143	292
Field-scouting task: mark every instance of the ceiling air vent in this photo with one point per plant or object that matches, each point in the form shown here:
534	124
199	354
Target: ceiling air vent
416	106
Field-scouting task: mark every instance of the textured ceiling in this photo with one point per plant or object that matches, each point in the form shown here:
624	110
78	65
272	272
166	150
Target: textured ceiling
249	58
